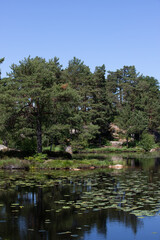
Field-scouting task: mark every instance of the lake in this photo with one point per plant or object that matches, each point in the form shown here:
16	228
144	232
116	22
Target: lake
89	204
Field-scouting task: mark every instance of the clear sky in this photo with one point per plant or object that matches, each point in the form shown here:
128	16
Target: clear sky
110	32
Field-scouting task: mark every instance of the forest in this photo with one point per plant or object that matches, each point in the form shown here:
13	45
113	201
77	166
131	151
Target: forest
43	104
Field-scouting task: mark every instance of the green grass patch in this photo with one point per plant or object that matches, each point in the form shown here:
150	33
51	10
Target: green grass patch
16	163
75	163
113	149
57	148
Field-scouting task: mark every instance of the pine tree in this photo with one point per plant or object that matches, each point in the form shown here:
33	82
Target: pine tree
136	101
79	77
27	96
1	61
101	105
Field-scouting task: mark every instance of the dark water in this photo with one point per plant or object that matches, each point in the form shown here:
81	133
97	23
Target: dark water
89	205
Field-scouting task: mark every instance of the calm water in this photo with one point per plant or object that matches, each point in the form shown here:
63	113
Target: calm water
89	205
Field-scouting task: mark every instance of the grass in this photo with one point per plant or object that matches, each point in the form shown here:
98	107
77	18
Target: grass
16	163
72	164
57	148
113	149
13	163
95	157
92	158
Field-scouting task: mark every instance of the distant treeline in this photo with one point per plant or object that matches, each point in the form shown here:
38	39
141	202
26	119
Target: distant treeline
43	104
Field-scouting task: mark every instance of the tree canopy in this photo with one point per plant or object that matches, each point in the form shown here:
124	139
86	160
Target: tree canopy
41	103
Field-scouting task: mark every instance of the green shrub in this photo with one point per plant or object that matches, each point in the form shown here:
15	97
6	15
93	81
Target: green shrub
37	158
147	141
27	145
78	145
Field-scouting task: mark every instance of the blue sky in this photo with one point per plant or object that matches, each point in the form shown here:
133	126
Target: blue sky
110	32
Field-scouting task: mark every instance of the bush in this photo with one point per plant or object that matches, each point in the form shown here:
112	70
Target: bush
15	154
147	141
37	158
27	145
60	154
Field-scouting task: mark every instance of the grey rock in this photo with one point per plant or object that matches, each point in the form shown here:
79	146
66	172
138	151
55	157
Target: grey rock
69	149
2	147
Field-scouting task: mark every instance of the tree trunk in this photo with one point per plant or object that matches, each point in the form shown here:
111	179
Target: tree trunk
127	141
39	136
51	144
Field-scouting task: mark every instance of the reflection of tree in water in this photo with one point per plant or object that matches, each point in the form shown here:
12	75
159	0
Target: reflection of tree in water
37	200
145	162
70	221
127	219
157	162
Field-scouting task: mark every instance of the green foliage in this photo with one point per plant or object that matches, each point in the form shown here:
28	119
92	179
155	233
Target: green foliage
13	163
54	106
58	148
37	158
101	107
113	149
27	145
136	101
55	148
72	164
79	144
1	61
87	135
107	142
33	100
147	141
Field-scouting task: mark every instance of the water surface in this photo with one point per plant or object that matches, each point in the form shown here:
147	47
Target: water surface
90	205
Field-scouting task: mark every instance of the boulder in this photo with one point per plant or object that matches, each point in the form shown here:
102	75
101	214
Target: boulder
69	150
155	150
2	147
117	166
116	144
